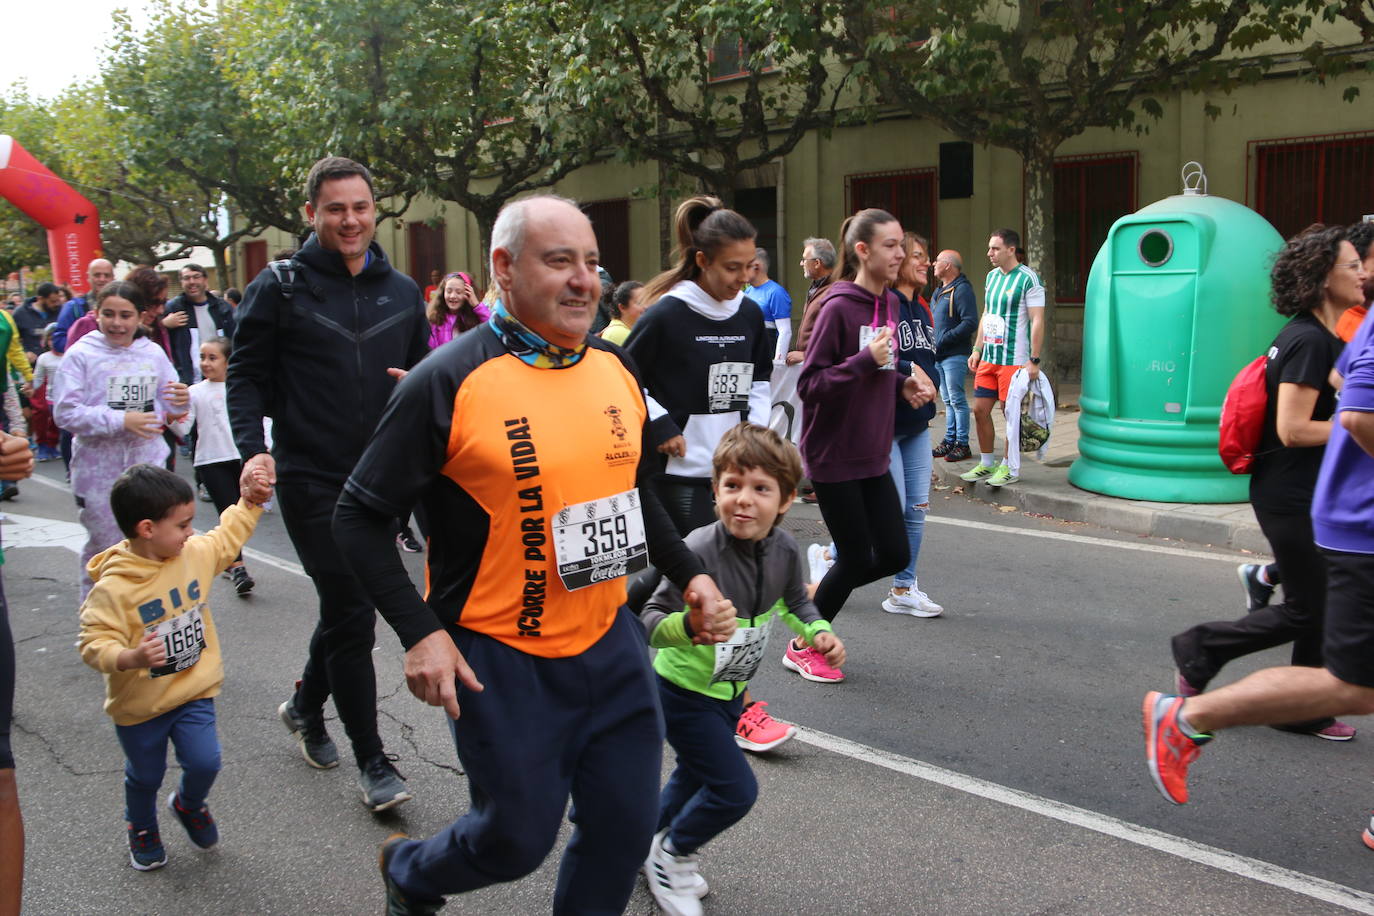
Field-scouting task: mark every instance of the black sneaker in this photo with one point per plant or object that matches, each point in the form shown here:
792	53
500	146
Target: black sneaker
243	583
200	826
407	542
942	449
397	902
316	746
145	849
382	784
1257	594
960	452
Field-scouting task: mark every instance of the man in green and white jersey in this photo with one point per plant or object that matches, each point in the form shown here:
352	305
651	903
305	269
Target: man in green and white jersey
1010	335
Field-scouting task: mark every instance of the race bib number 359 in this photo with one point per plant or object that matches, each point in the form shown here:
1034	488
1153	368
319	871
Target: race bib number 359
600	540
183	637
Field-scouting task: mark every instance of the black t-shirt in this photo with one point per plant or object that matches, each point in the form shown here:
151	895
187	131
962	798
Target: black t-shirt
1283	478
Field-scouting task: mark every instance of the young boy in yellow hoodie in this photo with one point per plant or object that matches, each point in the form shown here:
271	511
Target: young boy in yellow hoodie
146	625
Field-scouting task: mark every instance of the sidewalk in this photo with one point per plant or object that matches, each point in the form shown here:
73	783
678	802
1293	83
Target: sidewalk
1044	489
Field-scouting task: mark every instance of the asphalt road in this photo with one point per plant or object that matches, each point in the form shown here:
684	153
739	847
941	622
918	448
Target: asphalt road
988	761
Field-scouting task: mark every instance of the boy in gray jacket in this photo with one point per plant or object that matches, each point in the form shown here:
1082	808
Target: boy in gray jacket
754	477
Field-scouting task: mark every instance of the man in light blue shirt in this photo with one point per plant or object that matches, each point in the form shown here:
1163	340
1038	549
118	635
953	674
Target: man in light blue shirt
775	303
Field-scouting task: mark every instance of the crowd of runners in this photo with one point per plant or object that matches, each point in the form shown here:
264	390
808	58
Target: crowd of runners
583	498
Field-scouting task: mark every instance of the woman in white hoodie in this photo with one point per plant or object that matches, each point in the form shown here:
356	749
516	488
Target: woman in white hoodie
702	353
116	390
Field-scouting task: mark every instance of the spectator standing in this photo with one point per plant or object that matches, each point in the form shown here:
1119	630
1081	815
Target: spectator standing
955	309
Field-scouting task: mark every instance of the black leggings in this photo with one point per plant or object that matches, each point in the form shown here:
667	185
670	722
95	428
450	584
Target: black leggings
1202	651
221	479
865	521
690	503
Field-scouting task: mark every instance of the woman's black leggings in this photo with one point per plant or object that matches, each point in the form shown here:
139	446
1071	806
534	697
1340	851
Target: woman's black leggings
221	480
865	521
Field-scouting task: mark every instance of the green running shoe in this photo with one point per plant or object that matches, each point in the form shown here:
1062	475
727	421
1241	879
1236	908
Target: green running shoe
1003	475
976	473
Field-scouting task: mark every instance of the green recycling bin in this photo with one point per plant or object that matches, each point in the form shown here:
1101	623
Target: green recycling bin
1177	302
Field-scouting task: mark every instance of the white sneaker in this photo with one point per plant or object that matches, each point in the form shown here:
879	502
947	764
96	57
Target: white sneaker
817	563
675	881
915	602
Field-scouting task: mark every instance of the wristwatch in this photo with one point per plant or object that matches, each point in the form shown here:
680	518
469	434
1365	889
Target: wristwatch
1035	360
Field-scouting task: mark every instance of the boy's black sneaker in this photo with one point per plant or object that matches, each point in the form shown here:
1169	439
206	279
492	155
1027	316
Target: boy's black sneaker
145	849
943	448
200	826
407	542
398	902
316	746
382	784
243	583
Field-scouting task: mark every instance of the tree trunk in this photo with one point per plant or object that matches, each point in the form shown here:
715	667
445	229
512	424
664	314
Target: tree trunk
221	266
665	215
1038	241
486	220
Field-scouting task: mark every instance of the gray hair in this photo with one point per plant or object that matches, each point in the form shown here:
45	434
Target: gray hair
761	255
508	232
823	250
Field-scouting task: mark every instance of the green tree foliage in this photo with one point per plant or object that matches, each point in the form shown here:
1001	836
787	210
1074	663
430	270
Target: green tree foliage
652	77
436	99
188	122
1027	76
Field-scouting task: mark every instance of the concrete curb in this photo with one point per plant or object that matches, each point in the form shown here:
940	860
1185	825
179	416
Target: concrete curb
1045	490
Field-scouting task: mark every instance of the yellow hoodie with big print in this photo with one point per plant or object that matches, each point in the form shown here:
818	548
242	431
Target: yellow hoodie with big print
133	594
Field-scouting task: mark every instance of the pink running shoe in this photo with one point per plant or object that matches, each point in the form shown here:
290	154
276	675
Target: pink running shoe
1182	687
757	731
810	664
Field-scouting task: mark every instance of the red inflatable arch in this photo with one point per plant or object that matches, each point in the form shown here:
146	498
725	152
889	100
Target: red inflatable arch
72	221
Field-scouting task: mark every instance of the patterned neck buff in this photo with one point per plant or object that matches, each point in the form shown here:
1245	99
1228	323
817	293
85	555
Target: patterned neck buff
528	346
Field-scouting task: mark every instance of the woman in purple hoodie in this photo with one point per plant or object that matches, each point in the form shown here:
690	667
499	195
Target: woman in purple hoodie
849	386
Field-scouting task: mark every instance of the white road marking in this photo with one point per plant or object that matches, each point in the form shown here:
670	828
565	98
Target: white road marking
1220	859
33	531
257	556
1191	554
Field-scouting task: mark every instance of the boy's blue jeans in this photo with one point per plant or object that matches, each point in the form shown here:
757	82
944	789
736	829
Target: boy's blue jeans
191	729
713	786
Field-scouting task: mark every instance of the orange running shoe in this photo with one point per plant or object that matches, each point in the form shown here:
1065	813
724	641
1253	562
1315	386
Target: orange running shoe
1168	750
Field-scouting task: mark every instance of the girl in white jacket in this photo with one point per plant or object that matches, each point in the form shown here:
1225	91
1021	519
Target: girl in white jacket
115	391
216	458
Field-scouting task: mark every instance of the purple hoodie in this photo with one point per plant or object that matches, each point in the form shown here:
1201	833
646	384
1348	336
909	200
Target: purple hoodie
848	402
1343	504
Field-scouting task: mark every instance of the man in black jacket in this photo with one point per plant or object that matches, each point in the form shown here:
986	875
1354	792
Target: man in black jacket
32	318
195	308
312	350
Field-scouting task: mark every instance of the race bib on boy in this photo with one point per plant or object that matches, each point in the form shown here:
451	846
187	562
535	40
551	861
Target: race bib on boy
740	657
131	393
600	540
866	334
183	636
727	387
994	330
